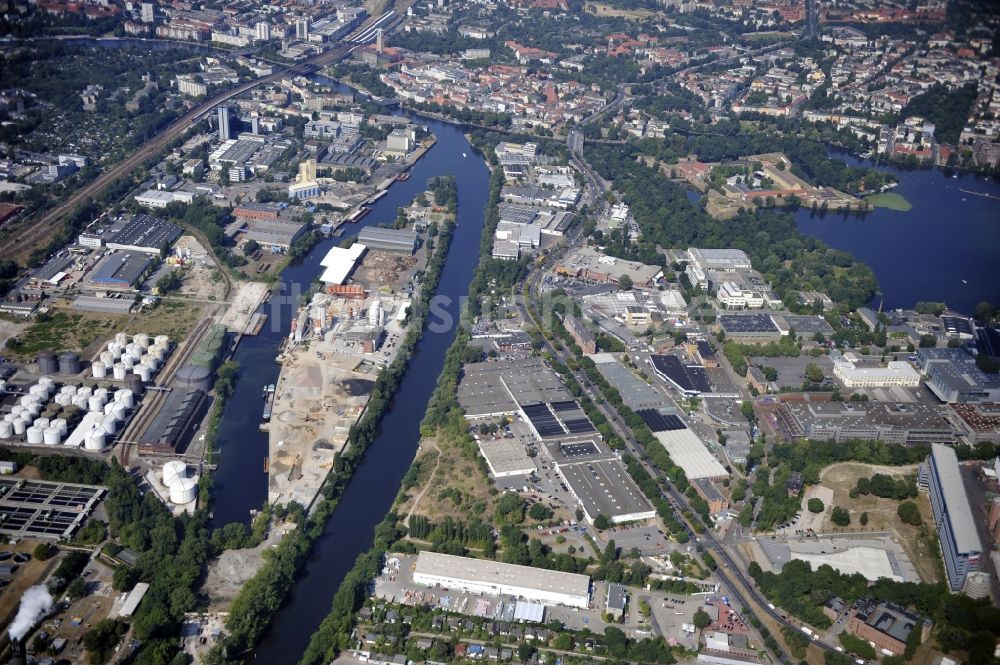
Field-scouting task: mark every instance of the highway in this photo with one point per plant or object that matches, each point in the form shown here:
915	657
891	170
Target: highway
42	229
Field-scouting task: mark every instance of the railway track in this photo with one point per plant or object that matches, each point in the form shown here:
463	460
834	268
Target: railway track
151	405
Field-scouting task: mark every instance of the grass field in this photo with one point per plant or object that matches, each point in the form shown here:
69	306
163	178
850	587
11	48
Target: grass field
890	200
601	9
919	542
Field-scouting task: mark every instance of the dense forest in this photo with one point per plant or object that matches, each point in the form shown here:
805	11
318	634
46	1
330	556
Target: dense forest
947	109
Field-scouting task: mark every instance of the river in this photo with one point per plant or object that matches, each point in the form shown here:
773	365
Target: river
945	249
240	483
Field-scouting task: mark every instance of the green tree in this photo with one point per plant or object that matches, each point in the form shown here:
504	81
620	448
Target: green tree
815	505
909	513
864	519
813	373
42	551
840	516
702	620
601	522
625	283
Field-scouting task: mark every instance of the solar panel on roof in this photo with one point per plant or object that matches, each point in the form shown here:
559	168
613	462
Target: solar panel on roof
659	422
578	426
568	405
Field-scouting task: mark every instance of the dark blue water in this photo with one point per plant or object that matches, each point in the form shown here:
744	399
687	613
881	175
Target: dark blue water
240	481
925	253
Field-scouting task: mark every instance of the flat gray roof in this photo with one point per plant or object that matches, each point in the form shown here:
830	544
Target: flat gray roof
495	572
636	393
956	500
604	488
499	387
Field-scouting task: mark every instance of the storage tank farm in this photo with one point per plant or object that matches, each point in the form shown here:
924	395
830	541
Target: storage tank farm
51	412
182	486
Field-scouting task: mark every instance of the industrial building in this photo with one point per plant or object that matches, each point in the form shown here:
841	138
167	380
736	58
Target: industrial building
599	482
498	388
389	240
821	419
689	380
952	375
719	259
280	234
636	393
685	448
757	328
885	625
119	271
895	373
977	422
175	422
502	579
339	263
505	457
589	265
144	233
158	198
960	545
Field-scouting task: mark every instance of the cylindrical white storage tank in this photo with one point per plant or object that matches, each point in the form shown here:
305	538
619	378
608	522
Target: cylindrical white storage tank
144	372
102	393
162	340
174	471
152	362
34	409
41	423
39	390
95	403
119	411
109	424
108	358
142	339
184	491
51	436
17	410
10	417
128	360
126	397
63	400
121	338
25	400
61	425
69	390
47	381
99	370
85	391
94	440
120	371
19	427
34	435
3	386
6	429
116	350
109	408
80	401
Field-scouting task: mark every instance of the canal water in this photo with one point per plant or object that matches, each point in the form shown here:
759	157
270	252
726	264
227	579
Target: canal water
240	481
946	248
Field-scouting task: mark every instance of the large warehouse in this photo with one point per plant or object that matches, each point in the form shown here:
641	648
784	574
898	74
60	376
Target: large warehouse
506	579
340	263
390	240
685	448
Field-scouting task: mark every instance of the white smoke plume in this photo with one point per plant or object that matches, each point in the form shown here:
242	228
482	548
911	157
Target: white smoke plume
35	604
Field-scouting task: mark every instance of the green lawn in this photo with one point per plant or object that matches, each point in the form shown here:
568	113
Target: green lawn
889	200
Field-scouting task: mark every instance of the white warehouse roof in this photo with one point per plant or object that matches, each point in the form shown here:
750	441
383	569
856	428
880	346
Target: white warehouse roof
339	262
689	453
502	578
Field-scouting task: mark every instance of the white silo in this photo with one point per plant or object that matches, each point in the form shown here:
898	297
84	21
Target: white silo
128	361
94	440
85	391
121	338
52	436
126	397
162	340
184	491
17	410
374	312
102	393
144	372
119	411
68	390
9	417
33	409
19	427
173	471
142	339
41	423
61	425
120	371
6	429
109	408
152	361
99	370
34	435
108	358
109	425
80	401
95	403
116	350
3	386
